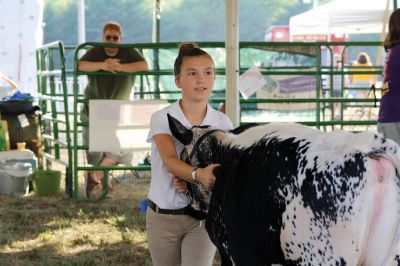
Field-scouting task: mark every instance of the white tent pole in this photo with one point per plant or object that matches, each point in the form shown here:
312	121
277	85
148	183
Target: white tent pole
232	61
384	23
81	21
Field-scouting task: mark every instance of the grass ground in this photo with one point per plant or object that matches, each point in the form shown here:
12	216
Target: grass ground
59	231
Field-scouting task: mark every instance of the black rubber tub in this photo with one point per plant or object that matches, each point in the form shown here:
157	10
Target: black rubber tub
17	107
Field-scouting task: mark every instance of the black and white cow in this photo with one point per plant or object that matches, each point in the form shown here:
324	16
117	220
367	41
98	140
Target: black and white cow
287	194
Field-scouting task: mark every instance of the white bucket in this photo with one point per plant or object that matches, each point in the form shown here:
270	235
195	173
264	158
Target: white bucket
14	178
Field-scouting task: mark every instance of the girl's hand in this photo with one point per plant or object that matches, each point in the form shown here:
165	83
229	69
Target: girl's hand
180	185
205	176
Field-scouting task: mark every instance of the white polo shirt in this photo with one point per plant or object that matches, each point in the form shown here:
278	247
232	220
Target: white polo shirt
162	190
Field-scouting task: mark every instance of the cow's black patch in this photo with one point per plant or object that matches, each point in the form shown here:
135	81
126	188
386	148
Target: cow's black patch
243	128
322	191
249	197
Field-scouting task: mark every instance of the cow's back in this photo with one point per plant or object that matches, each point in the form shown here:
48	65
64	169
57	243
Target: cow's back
311	197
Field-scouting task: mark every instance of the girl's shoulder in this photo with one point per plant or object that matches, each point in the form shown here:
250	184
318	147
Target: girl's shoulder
216	112
169	109
221	117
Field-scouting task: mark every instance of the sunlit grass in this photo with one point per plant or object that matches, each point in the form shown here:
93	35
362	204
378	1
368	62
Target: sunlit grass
61	231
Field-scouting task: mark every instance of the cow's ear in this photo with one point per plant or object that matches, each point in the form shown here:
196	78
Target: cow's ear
243	128
179	131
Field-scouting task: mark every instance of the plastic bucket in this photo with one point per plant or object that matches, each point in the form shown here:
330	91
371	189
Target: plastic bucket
14	177
46	182
12	185
143	206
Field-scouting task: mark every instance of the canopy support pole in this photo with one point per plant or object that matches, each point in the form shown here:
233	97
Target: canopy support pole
156	39
81	21
232	61
381	39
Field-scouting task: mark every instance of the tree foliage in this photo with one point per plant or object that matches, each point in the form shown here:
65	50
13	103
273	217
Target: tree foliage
60	18
181	20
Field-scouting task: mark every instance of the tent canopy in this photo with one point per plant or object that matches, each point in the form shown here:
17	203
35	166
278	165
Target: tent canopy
342	16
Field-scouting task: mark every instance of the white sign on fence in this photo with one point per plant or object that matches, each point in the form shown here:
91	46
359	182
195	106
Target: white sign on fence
120	125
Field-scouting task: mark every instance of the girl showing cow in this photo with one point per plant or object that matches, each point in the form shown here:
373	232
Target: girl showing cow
175	237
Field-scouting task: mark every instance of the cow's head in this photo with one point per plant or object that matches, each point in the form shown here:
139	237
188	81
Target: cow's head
203	146
199	151
199	142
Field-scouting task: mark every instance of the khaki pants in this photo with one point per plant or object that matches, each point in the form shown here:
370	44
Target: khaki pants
390	131
178	240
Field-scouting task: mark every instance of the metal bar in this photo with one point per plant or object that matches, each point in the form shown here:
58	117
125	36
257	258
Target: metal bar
313	48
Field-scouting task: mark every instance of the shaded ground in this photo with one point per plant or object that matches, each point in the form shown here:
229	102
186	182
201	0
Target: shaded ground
59	231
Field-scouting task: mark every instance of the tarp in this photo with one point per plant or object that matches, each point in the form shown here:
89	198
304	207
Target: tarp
21	28
341	17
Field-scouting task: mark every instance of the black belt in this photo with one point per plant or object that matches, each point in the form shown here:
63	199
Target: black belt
156	209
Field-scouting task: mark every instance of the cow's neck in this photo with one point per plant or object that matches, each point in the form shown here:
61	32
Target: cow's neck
224	153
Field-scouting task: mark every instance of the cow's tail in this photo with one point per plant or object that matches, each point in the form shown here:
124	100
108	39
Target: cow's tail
392	158
389	151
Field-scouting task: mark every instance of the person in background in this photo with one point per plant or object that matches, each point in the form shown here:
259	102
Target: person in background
389	109
361	80
337	86
112	60
174	237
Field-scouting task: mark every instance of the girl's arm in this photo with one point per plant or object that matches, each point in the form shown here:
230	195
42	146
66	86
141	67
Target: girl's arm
179	168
